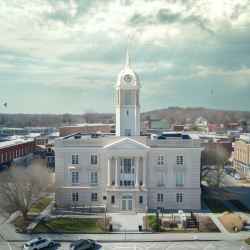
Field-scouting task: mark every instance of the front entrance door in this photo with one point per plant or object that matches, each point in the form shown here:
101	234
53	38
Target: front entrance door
127	203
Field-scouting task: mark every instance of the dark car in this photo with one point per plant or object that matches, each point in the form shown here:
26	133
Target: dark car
82	244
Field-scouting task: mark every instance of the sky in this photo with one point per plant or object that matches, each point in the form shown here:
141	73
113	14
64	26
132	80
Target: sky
63	56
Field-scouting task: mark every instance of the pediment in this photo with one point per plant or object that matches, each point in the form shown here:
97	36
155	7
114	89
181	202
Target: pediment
128	144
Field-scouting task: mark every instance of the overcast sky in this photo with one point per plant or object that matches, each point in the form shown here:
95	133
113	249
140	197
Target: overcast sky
64	56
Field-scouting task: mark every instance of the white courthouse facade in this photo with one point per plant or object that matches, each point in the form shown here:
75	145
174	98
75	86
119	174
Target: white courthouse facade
128	172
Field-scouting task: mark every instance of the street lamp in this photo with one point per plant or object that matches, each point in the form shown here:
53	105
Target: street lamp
146	217
105	211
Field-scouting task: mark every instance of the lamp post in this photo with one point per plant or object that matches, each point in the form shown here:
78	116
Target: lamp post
146	217
105	211
105	216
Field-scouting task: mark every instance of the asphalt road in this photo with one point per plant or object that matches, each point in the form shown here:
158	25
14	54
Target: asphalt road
198	245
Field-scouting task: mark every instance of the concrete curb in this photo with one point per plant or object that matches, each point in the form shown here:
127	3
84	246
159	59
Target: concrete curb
124	241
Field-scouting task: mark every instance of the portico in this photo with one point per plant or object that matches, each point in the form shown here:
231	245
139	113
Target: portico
127	161
126	173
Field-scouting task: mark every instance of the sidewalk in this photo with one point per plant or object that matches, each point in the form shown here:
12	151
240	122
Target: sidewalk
7	230
131	232
46	212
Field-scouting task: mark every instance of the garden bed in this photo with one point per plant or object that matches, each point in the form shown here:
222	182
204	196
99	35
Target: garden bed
21	223
206	224
232	222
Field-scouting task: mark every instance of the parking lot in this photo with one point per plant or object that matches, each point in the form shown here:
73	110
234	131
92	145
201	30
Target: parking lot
197	245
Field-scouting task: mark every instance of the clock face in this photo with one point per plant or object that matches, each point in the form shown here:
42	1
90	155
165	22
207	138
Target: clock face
127	78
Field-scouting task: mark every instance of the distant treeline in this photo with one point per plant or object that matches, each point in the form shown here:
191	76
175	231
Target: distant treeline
174	115
177	115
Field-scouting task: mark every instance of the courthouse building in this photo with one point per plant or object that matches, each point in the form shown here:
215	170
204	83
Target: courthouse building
128	172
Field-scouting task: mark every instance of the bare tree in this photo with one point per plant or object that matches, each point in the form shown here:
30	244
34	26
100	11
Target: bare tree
212	164
22	187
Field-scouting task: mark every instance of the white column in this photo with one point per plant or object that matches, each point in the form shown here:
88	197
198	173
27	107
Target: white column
116	172
109	166
137	171
144	172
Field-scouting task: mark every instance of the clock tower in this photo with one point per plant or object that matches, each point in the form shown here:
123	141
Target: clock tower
127	101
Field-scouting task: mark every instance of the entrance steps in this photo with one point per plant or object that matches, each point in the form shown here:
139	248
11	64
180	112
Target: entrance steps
127	213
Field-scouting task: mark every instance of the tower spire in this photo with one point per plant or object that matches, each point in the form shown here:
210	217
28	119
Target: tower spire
128	55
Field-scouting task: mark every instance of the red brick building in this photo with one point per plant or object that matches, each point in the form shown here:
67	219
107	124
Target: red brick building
17	151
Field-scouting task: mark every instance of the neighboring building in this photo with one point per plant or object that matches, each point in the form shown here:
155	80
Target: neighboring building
19	152
242	155
233	133
233	126
178	127
87	128
216	128
128	172
6	133
156	126
200	122
44	148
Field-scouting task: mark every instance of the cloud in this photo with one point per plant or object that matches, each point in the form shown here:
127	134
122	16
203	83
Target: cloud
81	45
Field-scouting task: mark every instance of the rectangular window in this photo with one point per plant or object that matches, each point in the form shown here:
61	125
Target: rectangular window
179	179
93	159
75	197
160	160
179	197
113	199
94	178
74	159
127	163
74	177
179	159
127	132
128	97
160	180
141	199
160	197
93	196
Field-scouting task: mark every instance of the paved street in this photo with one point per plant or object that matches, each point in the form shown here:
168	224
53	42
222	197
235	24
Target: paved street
207	245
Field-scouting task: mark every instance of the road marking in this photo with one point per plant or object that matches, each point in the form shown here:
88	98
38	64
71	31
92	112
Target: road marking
9	246
150	246
126	247
210	245
170	246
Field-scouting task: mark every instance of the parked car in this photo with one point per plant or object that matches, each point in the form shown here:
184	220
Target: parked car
38	243
82	244
237	176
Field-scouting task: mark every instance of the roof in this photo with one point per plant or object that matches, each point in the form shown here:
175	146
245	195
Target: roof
6	144
88	125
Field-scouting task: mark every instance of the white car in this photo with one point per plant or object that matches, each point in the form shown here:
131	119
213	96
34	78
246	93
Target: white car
237	176
38	243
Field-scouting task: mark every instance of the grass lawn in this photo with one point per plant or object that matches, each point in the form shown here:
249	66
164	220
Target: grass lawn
41	205
216	206
76	225
248	241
